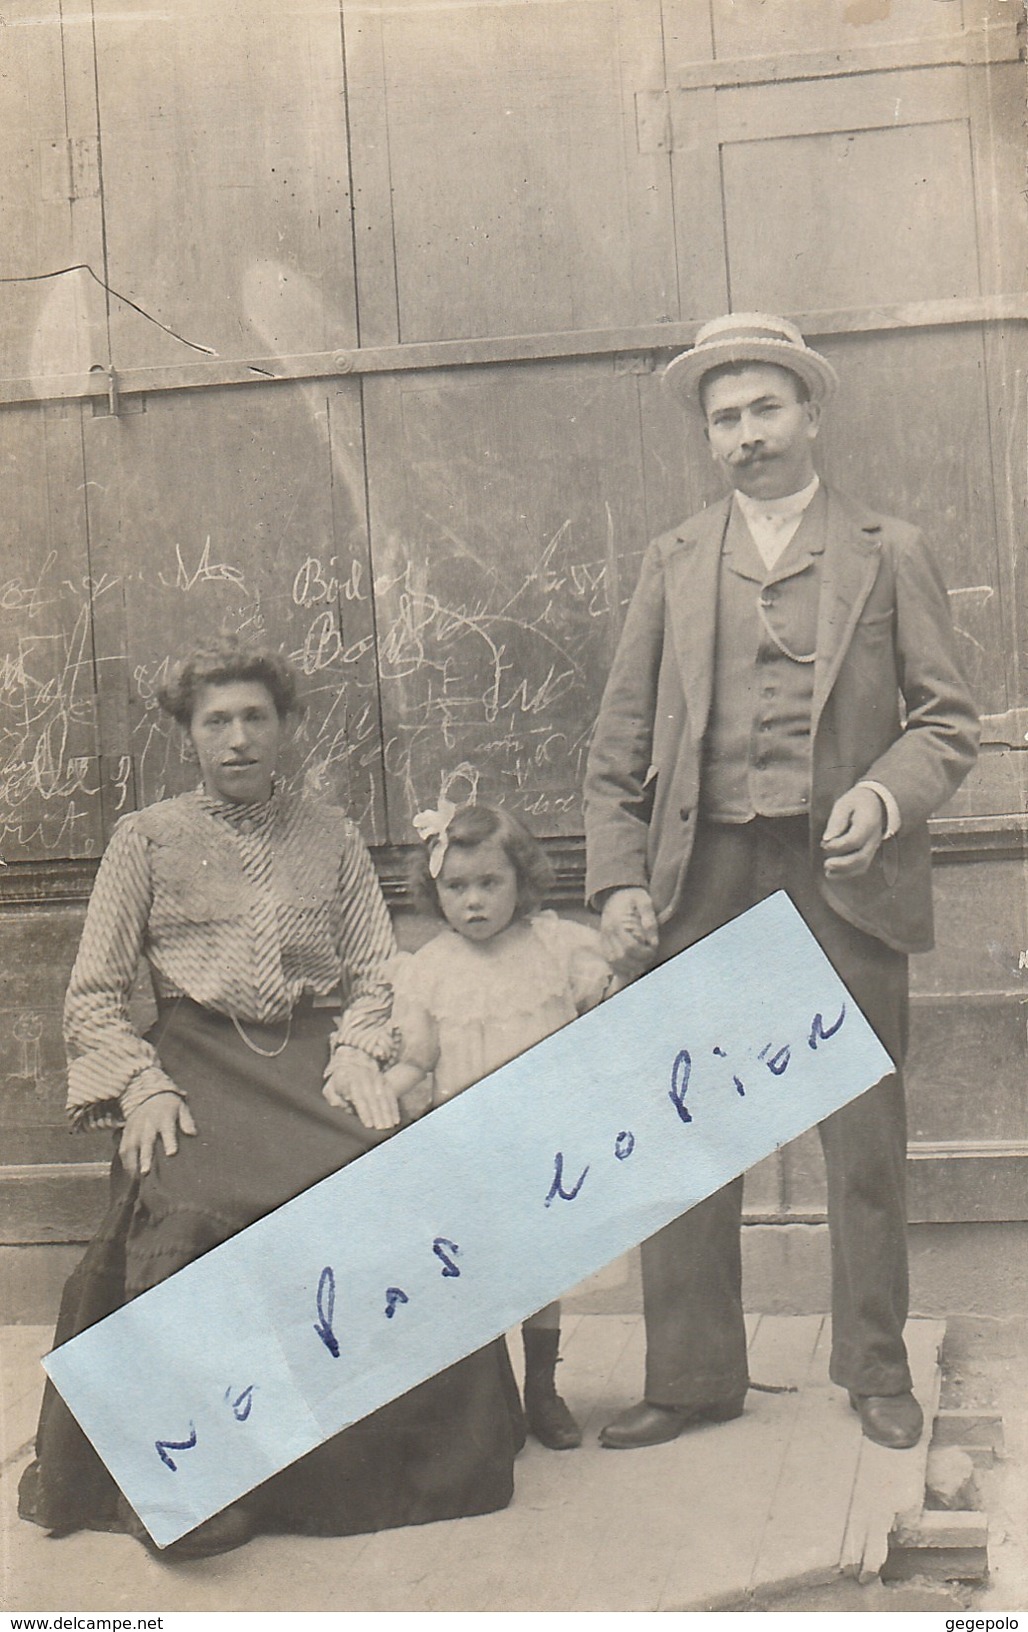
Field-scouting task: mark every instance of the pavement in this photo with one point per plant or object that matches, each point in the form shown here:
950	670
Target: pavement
779	1508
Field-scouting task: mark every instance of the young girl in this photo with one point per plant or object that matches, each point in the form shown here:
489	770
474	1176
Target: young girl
500	978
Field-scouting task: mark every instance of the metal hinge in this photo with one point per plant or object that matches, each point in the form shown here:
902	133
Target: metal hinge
69	168
634	362
113	404
653	122
1007	730
674	120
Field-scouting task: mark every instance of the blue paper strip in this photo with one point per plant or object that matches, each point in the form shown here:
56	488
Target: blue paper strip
442	1238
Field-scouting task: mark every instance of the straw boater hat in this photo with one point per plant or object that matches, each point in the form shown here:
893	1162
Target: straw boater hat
749	337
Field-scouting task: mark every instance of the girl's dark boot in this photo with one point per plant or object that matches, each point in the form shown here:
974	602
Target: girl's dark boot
548	1417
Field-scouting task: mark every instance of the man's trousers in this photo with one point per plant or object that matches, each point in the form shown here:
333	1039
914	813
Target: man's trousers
692	1274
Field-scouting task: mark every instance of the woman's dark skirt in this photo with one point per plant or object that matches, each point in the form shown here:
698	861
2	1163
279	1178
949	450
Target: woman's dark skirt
444	1450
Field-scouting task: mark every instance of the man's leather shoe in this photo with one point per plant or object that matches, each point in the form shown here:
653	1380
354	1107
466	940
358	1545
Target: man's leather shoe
893	1420
646	1424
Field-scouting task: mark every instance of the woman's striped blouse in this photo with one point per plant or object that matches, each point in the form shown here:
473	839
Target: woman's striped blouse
243	908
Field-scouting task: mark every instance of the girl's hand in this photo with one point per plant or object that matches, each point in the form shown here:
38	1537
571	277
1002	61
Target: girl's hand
628	931
354	1082
163	1117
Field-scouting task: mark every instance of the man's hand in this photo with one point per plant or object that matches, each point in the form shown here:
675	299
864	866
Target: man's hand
353	1081
854	833
628	931
162	1117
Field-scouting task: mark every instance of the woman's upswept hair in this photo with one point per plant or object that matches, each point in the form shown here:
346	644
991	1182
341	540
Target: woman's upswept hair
472	825
220	662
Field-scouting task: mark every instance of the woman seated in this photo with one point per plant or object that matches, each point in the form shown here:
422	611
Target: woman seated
254	909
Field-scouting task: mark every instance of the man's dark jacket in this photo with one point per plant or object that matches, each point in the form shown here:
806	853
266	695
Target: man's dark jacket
890	703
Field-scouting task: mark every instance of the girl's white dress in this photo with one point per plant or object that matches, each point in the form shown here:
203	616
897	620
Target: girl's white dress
465	1008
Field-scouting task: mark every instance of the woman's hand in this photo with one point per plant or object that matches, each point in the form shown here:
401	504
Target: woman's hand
163	1117
354	1082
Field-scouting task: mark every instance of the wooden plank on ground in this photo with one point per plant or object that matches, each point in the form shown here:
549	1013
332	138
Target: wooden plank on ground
21	1386
641	1506
439	1567
565	1492
527	1557
781	1351
613	1506
682	1526
807	1519
889	1483
602	1370
727	1476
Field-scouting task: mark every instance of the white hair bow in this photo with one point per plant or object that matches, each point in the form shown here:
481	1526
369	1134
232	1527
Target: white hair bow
432	827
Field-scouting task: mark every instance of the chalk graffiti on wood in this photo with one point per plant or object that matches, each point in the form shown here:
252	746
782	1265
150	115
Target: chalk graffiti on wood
422	670
48	765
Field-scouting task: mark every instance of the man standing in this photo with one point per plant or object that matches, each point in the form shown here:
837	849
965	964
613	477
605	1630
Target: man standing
785	711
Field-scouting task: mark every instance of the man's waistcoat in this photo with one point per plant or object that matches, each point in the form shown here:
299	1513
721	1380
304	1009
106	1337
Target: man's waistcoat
757	745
